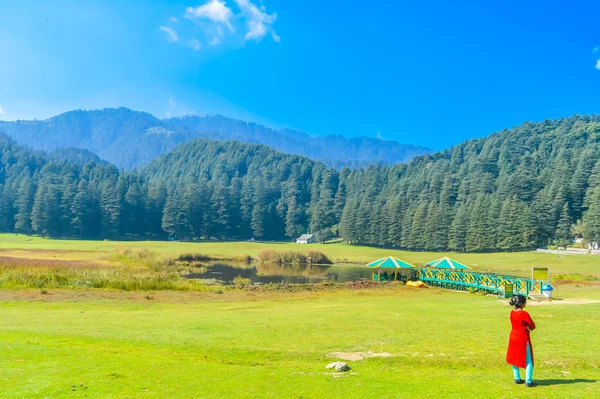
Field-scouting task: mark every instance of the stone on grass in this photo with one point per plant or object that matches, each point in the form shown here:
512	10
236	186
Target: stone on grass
338	366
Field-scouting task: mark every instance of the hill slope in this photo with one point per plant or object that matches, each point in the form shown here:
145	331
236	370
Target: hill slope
131	139
514	190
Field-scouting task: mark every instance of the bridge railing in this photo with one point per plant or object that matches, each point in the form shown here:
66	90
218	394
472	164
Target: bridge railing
492	283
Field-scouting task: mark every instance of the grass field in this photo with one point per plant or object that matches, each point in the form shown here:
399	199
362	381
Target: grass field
513	263
106	343
76	344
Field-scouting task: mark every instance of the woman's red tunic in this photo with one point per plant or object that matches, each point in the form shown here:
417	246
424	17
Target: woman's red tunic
519	338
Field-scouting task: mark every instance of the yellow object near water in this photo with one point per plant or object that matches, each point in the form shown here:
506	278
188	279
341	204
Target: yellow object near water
417	284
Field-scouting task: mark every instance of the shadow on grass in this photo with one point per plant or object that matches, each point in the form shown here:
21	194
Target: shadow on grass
564	382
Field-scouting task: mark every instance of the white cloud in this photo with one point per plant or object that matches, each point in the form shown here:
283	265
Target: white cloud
170	33
257	21
276	38
598	65
173	19
215	41
2	112
213	10
195	44
596	49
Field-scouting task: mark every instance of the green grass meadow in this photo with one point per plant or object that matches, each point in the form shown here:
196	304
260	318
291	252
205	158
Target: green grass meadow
156	343
445	345
519	263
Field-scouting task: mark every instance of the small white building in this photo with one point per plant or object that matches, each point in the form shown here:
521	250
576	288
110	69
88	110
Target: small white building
307	239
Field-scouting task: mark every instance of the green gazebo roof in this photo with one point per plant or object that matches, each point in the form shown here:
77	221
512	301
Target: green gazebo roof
389	262
446	263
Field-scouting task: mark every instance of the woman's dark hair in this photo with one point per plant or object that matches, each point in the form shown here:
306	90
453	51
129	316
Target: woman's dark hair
518	301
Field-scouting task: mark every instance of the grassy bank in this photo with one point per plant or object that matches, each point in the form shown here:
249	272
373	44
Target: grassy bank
130	270
310	257
264	345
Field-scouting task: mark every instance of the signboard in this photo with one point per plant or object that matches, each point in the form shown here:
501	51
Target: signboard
541	274
508	290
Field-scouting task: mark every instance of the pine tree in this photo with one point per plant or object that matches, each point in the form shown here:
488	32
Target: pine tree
580	181
260	211
432	233
294	218
563	230
24	205
238	227
122	216
323	211
481	233
80	210
155	203
349	223
592	217
395	215
6	209
221	208
171	221
135	209
110	210
417	239
509	233
39	216
458	230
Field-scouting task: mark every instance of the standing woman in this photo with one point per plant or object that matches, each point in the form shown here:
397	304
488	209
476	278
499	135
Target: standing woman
520	352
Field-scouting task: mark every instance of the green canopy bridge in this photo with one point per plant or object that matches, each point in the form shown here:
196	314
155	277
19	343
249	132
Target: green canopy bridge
450	274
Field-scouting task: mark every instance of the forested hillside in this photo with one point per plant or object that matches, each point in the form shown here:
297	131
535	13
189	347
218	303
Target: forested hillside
131	139
74	155
514	190
203	189
241	190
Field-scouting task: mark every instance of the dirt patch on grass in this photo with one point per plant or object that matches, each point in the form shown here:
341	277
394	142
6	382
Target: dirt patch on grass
356	356
577	282
29	262
47	253
215	294
574	301
325	286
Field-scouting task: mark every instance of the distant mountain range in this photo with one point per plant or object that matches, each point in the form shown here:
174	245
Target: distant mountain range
132	139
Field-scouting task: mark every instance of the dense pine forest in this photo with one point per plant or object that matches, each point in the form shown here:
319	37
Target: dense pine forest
514	190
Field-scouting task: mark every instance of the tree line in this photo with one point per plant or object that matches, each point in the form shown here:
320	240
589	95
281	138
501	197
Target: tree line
517	189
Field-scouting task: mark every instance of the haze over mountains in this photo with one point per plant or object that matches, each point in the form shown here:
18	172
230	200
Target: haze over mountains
132	139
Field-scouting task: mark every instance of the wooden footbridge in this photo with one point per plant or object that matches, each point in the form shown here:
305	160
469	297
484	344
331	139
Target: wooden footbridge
457	277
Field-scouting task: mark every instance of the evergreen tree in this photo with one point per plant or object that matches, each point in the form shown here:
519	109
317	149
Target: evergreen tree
134	209
509	229
480	234
80	210
417	239
221	208
592	217
458	230
110	210
24	205
563	231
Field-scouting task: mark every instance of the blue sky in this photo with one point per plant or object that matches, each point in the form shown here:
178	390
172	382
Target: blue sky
430	73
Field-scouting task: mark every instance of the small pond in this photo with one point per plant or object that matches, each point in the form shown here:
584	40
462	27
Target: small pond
261	273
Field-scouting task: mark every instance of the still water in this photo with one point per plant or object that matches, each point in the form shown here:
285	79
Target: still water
272	273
